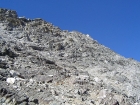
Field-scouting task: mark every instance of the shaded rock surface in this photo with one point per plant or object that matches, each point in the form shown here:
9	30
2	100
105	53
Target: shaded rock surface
40	64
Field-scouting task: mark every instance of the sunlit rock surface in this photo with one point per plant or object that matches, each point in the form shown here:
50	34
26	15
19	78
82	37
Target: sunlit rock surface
40	64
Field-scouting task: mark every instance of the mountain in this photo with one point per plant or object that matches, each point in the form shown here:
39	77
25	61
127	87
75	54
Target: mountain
40	64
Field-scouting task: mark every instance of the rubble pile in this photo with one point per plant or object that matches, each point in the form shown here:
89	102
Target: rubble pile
40	64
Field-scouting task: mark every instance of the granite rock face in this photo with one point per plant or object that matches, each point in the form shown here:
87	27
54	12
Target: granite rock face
40	64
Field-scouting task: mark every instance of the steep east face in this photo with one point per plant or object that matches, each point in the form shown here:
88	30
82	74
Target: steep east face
40	64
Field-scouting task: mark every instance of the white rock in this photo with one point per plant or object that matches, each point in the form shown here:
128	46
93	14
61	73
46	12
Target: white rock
22	17
102	93
10	80
136	103
67	104
19	79
96	79
50	75
15	87
87	35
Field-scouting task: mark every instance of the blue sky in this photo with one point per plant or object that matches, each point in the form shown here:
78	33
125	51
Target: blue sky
113	23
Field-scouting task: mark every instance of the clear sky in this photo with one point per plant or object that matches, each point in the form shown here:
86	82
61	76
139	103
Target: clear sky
113	23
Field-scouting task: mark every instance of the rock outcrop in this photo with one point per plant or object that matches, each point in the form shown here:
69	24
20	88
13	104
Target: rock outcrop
40	64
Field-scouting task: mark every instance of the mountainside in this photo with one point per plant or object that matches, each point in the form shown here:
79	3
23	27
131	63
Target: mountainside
40	64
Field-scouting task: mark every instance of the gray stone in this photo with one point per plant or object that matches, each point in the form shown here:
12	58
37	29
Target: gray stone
3	99
51	66
23	103
3	104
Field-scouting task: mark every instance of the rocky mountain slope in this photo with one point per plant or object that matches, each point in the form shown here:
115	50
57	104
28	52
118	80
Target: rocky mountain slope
40	64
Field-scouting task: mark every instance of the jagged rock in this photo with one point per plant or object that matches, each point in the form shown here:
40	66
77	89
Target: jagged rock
4	74
8	52
3	64
8	13
14	73
40	64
